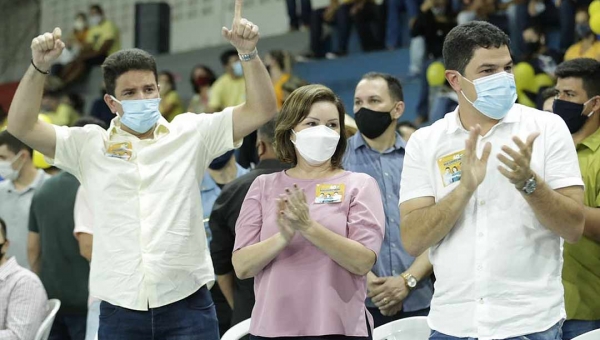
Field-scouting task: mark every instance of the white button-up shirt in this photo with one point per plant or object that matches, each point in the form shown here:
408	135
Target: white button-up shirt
499	269
149	243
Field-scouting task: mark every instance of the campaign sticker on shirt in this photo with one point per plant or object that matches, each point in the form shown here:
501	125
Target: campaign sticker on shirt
329	193
121	150
450	167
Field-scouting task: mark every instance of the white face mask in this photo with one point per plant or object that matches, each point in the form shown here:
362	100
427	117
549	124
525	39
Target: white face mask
316	145
95	20
6	170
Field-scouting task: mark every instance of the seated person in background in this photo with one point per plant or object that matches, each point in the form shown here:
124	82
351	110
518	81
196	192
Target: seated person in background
230	88
59	108
285	239
100	110
432	24
537	53
102	40
201	78
23	300
73	44
547	99
279	65
406	129
170	102
475	10
588	45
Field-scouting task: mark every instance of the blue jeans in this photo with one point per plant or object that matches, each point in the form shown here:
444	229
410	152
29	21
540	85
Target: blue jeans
189	319
68	327
574	328
394	7
554	333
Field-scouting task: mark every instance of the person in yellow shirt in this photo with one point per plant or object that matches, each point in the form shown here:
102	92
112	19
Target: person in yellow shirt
170	102
588	45
102	40
578	103
61	109
229	89
278	65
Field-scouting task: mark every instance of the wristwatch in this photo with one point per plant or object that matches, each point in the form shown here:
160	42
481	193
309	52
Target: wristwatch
411	281
530	186
248	56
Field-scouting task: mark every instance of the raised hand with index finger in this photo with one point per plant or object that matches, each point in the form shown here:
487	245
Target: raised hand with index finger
46	48
243	34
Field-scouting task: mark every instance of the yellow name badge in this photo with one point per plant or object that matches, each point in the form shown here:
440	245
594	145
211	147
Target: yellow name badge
329	193
122	150
450	167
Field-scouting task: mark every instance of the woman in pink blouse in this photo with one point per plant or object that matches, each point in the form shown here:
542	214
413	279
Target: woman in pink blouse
309	235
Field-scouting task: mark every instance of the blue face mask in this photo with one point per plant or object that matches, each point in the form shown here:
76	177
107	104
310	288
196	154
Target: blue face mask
238	71
496	94
140	115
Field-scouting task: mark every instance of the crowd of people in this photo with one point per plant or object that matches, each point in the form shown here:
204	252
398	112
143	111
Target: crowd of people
268	201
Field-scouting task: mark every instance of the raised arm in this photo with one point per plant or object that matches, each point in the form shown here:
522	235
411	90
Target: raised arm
23	120
261	104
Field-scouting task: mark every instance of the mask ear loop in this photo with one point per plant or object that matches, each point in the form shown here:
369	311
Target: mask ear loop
463	93
585	104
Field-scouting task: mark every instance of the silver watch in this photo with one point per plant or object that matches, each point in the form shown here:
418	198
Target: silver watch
530	186
248	56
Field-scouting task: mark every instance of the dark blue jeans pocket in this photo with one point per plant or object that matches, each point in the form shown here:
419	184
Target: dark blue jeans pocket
107	310
200	300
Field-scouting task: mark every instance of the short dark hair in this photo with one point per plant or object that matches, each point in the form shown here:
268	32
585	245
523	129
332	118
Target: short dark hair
83	121
171	78
124	61
267	132
13	144
97	8
225	56
295	109
547	93
586	69
463	40
393	83
77	100
3	229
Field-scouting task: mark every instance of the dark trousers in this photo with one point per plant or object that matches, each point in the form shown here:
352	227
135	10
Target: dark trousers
369	25
189	319
379	319
305	10
222	308
67	327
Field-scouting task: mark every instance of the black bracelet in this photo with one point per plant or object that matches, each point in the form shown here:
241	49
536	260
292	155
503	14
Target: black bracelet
40	71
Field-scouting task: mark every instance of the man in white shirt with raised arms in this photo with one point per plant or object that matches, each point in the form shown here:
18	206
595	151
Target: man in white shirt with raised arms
495	233
151	264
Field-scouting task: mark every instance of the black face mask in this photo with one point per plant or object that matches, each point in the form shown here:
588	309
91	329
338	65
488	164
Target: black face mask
220	162
571	113
532	46
371	123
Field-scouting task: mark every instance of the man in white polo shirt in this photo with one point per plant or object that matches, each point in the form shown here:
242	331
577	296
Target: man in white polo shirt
495	231
151	265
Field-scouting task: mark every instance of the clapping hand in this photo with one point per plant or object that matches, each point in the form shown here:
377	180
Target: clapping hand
243	34
284	228
296	212
473	169
518	162
46	48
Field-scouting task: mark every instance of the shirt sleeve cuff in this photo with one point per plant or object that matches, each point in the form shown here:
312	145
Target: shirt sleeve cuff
415	194
565	182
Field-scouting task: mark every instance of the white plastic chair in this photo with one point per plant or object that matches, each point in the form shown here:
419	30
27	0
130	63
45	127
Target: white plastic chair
593	335
415	328
44	331
238	331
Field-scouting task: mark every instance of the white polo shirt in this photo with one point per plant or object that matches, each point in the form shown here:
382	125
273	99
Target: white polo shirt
149	242
499	270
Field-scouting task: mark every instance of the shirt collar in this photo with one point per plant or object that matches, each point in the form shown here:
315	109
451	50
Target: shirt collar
357	141
454	123
37	182
592	141
162	127
8	268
